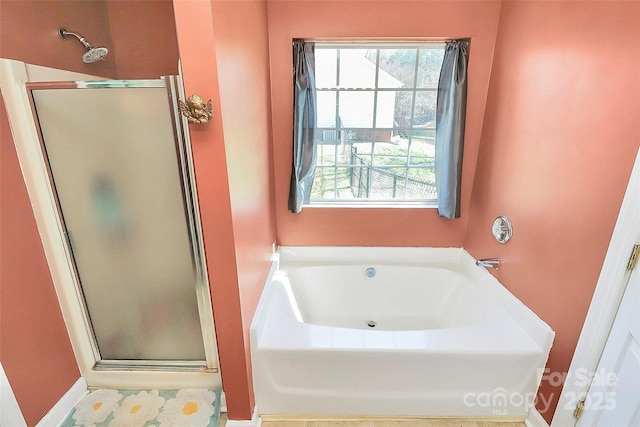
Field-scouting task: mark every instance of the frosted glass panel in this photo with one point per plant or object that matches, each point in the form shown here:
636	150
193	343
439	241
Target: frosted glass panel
112	154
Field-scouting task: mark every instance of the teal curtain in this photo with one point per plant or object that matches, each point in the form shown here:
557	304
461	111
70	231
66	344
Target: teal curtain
450	125
304	125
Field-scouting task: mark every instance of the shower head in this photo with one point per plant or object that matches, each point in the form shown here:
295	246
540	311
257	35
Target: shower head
95	54
92	54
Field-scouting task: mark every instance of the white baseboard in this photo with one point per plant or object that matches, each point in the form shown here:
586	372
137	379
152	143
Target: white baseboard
10	413
61	409
223	402
535	419
255	421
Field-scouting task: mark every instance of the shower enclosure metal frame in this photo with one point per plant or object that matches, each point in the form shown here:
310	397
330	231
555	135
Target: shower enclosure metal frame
18	94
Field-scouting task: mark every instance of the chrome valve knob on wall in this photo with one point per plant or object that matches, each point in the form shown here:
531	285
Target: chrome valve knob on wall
502	229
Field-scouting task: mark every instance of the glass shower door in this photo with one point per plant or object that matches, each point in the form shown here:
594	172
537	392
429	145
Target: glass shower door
122	178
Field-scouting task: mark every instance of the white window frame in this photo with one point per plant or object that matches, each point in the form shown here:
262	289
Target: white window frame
372	202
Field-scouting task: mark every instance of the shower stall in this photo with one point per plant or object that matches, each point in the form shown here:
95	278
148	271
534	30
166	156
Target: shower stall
108	168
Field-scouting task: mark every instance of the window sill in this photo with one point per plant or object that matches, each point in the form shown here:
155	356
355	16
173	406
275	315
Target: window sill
372	205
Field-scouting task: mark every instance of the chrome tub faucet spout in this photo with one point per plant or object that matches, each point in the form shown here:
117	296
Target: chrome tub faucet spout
488	263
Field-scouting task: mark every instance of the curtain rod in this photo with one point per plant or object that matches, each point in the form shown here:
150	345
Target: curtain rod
377	43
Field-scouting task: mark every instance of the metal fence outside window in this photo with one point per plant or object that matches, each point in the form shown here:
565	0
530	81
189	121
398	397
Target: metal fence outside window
374	182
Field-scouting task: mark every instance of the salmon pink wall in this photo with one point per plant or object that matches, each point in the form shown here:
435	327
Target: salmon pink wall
561	131
30	33
144	38
242	53
197	44
35	348
375	19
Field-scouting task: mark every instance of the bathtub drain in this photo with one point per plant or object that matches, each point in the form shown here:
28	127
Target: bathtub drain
371	324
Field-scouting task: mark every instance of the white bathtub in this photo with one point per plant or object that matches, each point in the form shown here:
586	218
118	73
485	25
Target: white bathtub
429	334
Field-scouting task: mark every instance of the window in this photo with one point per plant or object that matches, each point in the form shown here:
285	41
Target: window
376	110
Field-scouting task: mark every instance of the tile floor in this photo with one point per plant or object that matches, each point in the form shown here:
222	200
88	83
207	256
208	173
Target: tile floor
382	423
388	423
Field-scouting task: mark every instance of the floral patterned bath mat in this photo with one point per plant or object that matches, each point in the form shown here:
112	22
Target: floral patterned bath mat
146	408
